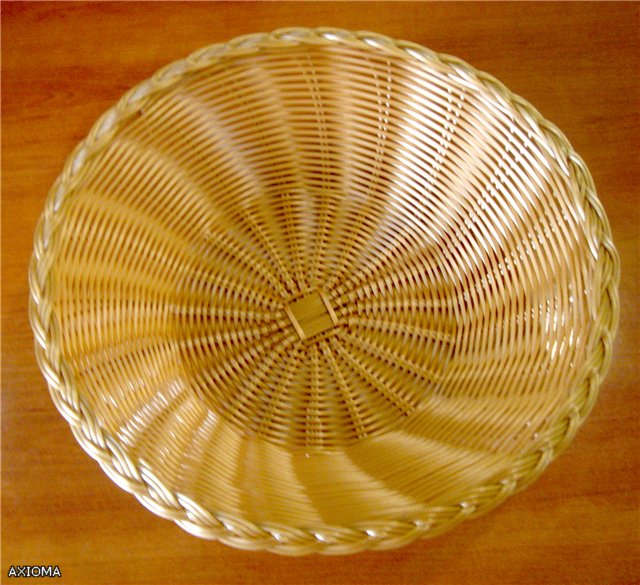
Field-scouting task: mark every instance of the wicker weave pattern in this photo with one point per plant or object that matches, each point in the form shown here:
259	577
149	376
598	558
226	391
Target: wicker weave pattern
435	280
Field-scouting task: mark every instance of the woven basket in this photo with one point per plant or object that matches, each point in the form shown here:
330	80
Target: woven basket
323	291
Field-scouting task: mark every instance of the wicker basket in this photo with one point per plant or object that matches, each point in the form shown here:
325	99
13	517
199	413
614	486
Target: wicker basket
323	291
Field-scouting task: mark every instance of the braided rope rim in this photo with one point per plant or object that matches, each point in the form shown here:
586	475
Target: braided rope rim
136	478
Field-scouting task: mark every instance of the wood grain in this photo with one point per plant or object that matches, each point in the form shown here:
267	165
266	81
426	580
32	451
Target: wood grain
64	64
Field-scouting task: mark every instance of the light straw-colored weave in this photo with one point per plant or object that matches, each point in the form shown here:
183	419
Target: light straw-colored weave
323	291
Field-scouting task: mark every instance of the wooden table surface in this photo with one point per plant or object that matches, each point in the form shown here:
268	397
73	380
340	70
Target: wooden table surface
64	64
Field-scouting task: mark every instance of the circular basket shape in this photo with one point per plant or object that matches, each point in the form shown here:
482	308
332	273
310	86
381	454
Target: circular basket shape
323	291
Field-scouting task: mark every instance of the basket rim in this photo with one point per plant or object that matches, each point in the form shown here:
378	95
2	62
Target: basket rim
137	478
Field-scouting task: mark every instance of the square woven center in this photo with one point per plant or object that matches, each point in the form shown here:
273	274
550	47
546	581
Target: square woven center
311	314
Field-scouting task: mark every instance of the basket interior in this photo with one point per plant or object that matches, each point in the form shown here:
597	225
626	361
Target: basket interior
324	284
